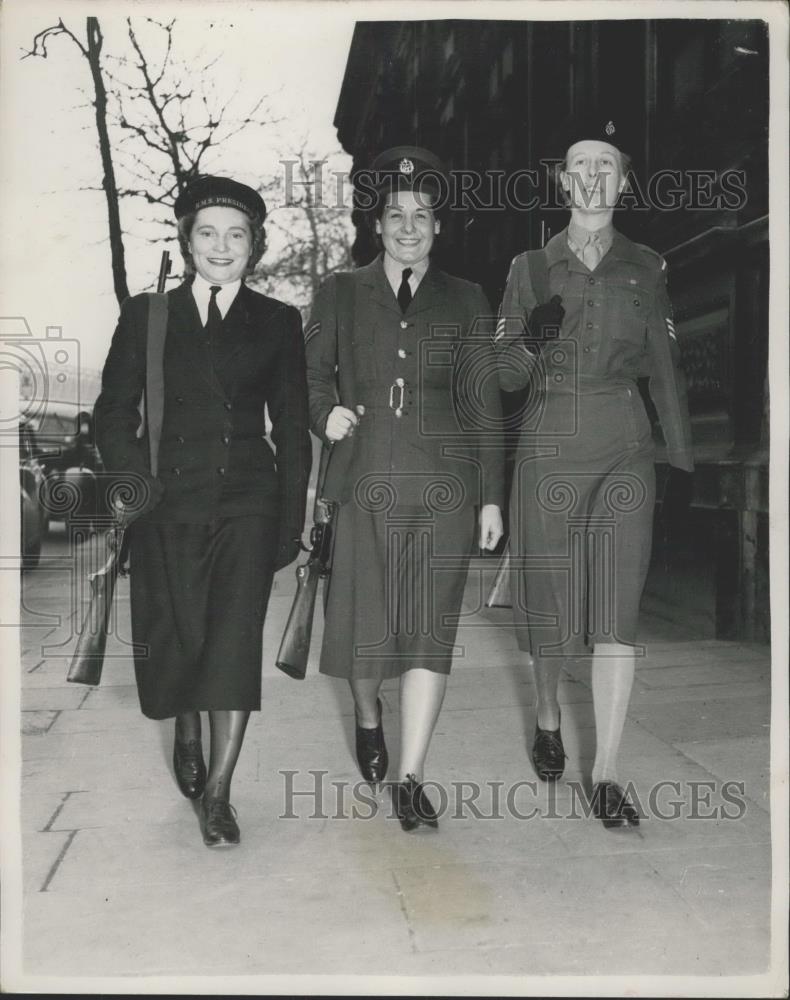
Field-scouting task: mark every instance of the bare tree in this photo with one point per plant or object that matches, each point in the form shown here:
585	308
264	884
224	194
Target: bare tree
172	115
312	230
161	120
91	51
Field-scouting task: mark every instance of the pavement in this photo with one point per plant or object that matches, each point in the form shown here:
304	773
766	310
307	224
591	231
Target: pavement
516	883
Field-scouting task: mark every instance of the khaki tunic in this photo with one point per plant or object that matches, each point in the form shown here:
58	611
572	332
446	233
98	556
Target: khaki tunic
584	483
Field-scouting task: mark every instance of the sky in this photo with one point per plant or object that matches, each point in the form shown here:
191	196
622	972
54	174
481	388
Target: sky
54	251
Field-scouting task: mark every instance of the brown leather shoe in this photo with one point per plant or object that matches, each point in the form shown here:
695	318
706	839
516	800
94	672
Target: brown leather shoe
189	767
218	823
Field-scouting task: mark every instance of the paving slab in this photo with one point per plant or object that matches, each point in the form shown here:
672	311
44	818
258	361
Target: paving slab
41	699
745	759
218	926
476	906
691	722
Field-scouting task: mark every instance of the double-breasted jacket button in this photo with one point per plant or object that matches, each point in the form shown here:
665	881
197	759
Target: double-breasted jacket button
176	471
636	302
221	470
590	302
179	439
591	281
225	439
228	406
401	353
589	326
179	399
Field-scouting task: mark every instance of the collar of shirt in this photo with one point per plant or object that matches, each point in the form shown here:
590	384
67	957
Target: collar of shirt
578	237
201	293
394	272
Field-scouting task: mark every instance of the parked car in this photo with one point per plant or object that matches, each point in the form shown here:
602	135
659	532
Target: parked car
34	520
75	486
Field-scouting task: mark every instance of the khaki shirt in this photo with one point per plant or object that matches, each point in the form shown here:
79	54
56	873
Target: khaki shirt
618	326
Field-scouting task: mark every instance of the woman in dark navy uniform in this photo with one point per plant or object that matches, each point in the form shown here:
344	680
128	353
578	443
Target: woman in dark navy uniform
403	385
584	482
224	512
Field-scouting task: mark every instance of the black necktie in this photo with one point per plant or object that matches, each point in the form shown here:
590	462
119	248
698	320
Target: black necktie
404	292
214	319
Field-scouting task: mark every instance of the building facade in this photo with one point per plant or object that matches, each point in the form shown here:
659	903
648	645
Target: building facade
490	98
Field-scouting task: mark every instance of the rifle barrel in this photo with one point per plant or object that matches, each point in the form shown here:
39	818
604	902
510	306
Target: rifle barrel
164	270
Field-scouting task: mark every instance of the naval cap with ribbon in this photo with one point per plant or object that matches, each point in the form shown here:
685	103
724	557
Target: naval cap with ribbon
208	190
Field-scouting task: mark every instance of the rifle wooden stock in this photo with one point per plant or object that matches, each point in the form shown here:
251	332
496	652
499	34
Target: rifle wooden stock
295	644
86	664
500	590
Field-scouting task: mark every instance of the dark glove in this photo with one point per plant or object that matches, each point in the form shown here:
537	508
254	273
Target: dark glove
288	548
134	497
545	321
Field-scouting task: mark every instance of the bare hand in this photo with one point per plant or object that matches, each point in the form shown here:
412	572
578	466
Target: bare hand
341	422
490	526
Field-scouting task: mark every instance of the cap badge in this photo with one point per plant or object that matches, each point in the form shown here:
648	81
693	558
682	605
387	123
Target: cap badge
609	128
406	167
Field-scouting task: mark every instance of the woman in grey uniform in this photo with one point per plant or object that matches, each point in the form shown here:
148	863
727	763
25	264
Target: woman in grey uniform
584	483
404	391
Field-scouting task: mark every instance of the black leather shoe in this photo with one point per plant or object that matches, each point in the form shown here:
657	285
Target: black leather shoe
412	807
611	805
218	823
372	755
190	768
548	754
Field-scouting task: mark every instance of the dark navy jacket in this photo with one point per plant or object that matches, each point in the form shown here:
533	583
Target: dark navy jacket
214	460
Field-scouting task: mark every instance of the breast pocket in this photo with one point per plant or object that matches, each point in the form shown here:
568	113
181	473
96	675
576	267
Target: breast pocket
627	311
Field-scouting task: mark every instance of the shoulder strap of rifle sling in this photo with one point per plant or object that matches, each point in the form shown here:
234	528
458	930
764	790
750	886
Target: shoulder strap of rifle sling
344	314
155	373
539	275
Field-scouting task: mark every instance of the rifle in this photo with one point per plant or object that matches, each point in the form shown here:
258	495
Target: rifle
295	644
86	664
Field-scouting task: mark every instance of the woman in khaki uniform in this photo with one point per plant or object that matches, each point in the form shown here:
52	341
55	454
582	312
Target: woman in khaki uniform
403	390
584	482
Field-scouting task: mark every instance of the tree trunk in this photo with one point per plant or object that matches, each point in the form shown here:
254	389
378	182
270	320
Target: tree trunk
95	41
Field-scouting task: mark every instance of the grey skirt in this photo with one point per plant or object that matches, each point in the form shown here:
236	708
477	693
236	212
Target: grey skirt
395	593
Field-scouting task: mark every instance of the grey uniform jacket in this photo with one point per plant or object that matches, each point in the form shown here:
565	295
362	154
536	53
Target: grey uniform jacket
426	377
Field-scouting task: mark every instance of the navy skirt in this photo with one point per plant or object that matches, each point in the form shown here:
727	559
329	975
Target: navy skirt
198	599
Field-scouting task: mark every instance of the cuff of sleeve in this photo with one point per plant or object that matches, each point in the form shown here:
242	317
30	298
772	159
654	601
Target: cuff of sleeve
681	460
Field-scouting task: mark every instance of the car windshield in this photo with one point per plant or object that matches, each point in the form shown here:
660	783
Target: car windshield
57	424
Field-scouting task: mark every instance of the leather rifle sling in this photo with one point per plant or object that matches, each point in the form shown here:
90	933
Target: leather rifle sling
500	594
344	314
155	374
539	275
